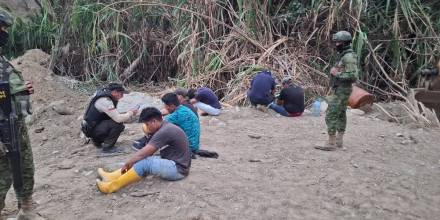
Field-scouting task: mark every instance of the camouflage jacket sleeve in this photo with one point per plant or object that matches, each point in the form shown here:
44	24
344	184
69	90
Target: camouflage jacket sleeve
349	68
17	85
17	82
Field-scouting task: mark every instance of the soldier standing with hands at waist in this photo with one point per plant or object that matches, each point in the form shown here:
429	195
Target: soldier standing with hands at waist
344	73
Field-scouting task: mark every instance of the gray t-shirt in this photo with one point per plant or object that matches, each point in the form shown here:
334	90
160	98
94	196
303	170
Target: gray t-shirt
173	145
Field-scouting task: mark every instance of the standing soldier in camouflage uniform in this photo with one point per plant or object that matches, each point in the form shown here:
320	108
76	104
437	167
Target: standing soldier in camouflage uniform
20	91
342	76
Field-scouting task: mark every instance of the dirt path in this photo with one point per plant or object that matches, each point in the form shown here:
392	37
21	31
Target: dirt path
267	168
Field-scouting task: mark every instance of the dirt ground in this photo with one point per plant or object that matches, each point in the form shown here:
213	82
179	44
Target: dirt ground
267	167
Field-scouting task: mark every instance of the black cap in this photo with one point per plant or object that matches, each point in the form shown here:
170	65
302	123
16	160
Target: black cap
116	86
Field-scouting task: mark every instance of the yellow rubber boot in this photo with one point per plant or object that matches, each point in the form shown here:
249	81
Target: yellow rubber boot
124	180
109	176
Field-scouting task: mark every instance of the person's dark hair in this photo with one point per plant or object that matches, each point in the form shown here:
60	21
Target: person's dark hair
170	99
150	113
116	87
191	93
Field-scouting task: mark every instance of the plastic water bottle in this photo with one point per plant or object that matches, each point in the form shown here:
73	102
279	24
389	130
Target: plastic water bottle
316	108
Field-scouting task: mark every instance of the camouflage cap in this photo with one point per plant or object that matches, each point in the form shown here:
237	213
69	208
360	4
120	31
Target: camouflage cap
5	18
342	36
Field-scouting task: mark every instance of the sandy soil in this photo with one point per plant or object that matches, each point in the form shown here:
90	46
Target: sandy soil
267	167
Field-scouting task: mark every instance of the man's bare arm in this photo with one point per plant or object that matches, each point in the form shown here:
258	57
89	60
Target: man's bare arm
139	155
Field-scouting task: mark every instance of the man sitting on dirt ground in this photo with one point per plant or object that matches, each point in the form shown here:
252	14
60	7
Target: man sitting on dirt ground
262	89
290	101
173	163
102	121
182	94
205	100
187	120
181	116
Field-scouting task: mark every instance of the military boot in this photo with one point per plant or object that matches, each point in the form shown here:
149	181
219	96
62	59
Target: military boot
330	145
340	139
26	211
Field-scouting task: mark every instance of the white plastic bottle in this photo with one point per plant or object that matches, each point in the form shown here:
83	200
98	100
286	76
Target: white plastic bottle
316	108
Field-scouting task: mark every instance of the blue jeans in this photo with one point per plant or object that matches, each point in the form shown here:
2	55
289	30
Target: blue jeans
265	101
155	165
207	108
279	109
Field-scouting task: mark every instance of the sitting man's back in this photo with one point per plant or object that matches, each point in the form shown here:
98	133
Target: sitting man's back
183	117
290	101
173	145
262	88
205	100
293	97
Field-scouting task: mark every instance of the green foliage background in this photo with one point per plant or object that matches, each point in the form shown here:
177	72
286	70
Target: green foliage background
221	43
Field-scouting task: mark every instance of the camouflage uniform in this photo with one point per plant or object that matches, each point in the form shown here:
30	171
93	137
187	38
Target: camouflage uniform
336	118
17	85
21	104
343	74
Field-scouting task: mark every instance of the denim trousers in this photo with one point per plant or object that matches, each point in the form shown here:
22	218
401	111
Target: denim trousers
207	108
279	109
155	165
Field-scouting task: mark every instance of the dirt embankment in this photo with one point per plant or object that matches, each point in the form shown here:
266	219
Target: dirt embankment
21	8
267	167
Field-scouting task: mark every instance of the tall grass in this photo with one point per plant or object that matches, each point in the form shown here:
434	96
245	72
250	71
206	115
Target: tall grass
37	31
222	43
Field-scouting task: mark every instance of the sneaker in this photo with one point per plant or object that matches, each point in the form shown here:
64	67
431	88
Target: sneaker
193	155
140	143
112	150
96	144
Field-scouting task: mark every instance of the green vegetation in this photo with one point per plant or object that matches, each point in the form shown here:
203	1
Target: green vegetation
219	43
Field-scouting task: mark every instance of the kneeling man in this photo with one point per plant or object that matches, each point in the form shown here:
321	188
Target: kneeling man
172	164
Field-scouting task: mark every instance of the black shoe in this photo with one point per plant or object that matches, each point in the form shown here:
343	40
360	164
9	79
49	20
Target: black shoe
96	144
205	153
112	150
140	143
